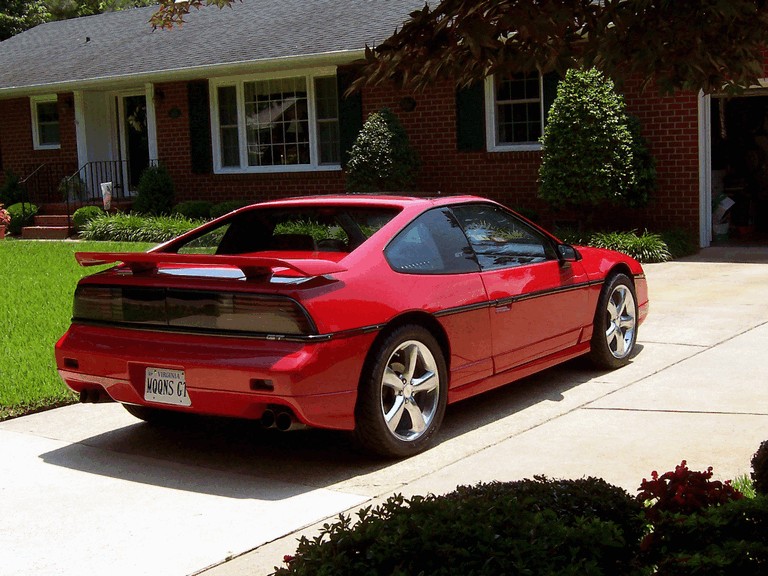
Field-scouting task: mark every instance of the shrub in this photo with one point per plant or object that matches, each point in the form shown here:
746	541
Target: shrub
10	193
680	243
643	167
382	159
72	187
587	156
194	209
86	214
726	540
155	192
226	207
645	248
22	214
540	526
683	491
760	469
136	228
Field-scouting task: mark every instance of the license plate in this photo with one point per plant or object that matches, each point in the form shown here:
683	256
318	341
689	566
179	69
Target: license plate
166	387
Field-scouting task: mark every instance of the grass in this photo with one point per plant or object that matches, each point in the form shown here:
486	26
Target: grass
38	280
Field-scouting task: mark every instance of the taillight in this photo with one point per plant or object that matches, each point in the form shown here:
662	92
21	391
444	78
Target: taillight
193	310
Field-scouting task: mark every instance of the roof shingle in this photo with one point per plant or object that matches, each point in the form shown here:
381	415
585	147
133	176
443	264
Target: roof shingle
120	45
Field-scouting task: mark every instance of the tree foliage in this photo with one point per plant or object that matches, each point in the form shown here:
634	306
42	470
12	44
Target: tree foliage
19	15
707	44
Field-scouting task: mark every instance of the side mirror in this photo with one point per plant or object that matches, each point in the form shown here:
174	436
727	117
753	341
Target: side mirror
567	253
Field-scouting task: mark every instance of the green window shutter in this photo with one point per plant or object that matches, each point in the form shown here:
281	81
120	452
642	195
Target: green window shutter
470	118
350	113
550	82
199	127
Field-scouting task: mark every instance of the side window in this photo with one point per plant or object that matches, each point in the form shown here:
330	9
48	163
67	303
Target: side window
45	122
432	244
500	239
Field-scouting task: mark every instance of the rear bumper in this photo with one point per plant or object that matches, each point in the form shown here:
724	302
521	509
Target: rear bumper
236	377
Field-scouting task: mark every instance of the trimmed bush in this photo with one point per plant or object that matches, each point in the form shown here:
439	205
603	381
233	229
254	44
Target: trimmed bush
643	167
155	192
22	214
86	214
543	527
194	209
587	152
725	540
760	469
681	243
226	207
10	192
136	228
382	159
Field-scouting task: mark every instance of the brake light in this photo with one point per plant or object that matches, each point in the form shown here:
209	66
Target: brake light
192	310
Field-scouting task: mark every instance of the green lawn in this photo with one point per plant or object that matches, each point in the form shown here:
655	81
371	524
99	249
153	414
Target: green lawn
37	281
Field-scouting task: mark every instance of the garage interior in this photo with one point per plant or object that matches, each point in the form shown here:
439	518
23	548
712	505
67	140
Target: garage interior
739	128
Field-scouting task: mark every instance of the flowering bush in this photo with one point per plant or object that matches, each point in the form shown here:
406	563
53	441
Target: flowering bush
5	217
683	491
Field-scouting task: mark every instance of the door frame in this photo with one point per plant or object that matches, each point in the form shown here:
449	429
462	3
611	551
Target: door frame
117	99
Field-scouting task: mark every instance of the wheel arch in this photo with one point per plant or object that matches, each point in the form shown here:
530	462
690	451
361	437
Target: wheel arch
418	318
620	268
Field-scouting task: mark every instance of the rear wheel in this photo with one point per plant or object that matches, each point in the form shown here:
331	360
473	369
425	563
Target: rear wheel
615	326
402	395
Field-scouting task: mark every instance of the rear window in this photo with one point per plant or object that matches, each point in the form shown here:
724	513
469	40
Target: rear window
321	229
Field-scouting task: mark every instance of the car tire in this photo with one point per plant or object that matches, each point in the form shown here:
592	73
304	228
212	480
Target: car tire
402	394
615	325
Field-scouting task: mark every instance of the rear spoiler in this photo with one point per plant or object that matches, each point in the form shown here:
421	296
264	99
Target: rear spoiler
252	266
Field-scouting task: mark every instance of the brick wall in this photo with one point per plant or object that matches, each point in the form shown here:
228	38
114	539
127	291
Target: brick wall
16	150
669	124
172	113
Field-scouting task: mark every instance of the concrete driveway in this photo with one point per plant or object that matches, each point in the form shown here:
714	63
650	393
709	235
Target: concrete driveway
87	489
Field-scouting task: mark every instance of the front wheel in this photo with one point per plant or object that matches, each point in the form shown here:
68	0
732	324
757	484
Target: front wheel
402	394
615	325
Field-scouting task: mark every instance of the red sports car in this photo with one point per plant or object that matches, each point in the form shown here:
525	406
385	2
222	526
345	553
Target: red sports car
360	313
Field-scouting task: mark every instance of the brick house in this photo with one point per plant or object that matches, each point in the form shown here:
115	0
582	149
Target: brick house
248	102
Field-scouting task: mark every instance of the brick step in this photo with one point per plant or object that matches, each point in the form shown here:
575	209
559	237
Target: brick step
47	220
45	232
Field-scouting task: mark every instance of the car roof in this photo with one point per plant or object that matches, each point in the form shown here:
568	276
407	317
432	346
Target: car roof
370	200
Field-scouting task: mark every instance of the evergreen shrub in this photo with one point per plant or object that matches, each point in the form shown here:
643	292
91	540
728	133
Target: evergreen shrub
86	214
760	469
541	526
382	159
194	209
22	214
155	192
226	207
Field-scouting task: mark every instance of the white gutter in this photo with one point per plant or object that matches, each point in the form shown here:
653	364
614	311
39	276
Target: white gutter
188	73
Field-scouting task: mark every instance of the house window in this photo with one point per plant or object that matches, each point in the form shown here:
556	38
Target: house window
276	124
514	112
45	122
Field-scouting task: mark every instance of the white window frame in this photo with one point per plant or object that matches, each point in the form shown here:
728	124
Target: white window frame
239	82
33	102
492	127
